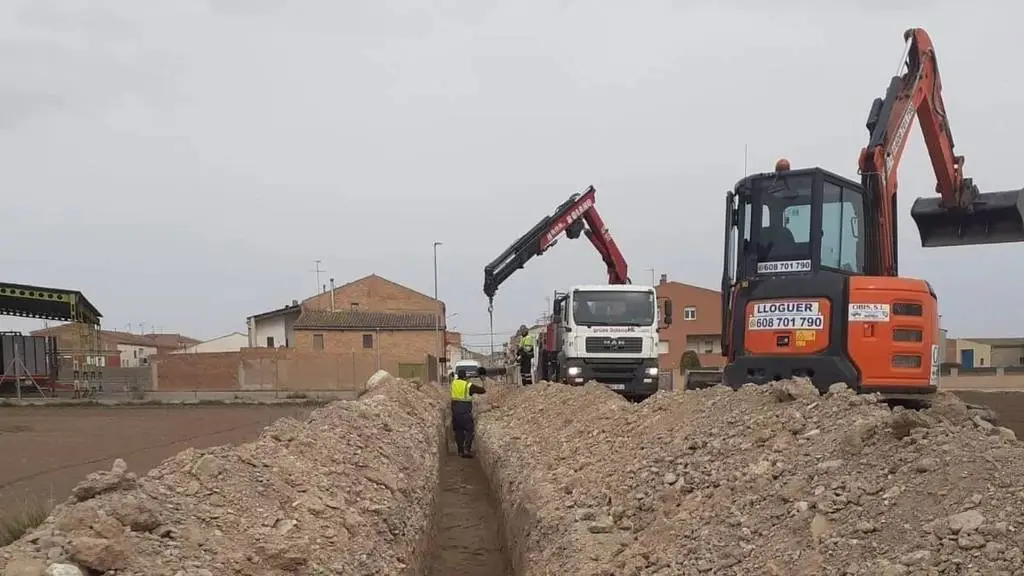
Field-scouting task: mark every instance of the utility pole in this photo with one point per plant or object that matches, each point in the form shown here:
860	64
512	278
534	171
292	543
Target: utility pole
317	270
437	316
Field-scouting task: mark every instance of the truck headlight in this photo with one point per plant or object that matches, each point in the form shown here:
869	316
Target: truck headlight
574	370
652	371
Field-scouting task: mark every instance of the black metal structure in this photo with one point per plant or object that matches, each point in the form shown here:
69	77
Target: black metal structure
45	303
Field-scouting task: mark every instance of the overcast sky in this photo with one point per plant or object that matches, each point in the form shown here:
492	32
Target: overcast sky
184	162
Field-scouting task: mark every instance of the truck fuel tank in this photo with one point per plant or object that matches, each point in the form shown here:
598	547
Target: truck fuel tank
996	218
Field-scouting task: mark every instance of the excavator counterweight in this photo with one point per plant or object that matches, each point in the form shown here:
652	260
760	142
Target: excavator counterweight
993	218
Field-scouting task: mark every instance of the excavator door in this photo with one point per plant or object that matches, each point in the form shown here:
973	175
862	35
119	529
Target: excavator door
992	218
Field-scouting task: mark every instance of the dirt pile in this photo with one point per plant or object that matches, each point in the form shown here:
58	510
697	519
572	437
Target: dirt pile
764	480
349	491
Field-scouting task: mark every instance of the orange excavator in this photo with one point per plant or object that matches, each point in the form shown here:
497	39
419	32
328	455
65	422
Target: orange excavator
810	283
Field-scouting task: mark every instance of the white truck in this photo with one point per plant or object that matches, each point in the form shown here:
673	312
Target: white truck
607	333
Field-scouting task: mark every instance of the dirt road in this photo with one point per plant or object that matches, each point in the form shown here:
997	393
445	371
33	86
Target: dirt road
1008	405
468	540
47	450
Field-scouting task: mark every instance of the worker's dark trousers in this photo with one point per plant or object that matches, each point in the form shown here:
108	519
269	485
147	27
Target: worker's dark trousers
463	425
525	368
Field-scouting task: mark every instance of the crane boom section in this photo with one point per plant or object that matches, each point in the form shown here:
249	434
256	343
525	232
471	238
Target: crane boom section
575	216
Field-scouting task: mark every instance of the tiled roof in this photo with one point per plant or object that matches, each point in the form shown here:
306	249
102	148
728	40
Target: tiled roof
361	320
278	312
161	341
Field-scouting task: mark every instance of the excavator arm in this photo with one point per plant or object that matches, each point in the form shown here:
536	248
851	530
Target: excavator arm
960	215
574	216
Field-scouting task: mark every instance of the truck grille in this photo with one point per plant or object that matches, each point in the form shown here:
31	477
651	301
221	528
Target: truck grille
614	345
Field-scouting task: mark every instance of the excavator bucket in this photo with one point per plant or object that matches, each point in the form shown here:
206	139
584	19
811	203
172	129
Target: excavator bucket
997	217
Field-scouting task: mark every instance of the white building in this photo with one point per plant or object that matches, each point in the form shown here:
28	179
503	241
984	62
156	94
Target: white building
274	329
135	355
232	342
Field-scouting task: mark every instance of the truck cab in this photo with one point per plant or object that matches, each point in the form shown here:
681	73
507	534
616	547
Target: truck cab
608	333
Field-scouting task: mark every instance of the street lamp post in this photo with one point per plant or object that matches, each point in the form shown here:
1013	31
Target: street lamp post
437	316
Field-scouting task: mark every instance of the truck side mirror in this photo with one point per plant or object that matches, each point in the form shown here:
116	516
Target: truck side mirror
667	312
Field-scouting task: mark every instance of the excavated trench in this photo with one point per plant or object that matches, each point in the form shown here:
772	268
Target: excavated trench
368	486
468	539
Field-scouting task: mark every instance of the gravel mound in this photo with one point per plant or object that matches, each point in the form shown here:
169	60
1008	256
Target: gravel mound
350	491
764	480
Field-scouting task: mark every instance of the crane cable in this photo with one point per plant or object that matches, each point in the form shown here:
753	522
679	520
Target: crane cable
490	313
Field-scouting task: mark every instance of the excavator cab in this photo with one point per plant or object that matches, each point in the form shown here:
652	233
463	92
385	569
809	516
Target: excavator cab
793	222
793	240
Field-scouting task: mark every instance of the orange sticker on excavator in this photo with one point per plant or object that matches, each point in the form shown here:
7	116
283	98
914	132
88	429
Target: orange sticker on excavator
804	338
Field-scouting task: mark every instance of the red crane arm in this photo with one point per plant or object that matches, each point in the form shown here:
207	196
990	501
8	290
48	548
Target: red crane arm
575	216
598	234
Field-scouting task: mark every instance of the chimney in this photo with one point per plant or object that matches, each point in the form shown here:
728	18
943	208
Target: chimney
332	294
664	279
295	302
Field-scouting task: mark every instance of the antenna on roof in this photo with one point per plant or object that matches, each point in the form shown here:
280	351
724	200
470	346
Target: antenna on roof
316	271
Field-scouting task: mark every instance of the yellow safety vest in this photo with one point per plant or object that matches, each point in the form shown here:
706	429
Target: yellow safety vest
460	390
526	342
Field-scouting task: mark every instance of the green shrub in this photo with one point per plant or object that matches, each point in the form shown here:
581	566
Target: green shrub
16	524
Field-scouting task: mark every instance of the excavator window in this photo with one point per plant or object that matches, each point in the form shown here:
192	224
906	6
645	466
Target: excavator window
842	228
793	222
786	231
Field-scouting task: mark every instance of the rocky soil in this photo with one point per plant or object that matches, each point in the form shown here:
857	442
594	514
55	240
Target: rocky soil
771	480
350	491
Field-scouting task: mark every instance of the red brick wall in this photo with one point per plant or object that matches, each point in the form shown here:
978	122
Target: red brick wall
375	294
395	345
708	322
178	372
276	369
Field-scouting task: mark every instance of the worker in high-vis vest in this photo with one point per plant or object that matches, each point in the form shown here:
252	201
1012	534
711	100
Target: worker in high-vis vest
525	352
463	424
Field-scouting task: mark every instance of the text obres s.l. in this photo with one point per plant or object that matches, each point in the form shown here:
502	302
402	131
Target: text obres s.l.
786	315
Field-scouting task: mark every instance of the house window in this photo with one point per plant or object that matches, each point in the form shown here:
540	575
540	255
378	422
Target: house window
1020	360
709	346
367	340
318	341
270	341
690	313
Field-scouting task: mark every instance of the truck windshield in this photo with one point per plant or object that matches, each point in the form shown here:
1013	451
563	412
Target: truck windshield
612	308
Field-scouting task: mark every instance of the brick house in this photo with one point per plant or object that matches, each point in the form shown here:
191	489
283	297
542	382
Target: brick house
80	345
397	324
374	293
696	324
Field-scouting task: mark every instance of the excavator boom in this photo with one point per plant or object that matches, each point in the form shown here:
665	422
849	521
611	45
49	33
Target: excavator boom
961	215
